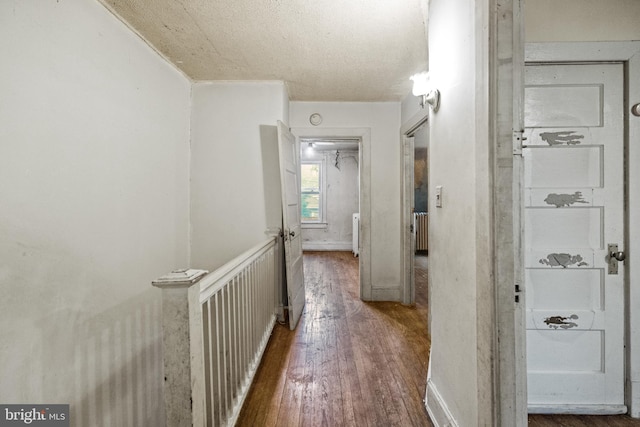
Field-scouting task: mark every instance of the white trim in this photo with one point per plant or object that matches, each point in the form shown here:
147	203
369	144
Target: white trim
364	160
414	122
578	409
407	150
388	292
500	110
322	192
634	398
581	51
408	207
628	53
437	408
327	246
311	225
408	128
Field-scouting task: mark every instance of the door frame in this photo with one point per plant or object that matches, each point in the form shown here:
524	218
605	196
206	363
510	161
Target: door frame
627	53
408	160
364	176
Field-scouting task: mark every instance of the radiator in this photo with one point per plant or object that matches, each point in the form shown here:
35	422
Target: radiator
232	315
356	234
421	221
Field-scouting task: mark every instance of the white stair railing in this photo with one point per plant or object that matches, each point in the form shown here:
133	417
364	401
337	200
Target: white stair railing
224	319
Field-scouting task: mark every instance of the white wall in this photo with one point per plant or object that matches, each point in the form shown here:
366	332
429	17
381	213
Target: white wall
94	139
341	192
235	179
459	268
383	119
581	20
457	265
410	107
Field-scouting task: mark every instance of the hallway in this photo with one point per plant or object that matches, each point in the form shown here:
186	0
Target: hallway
351	363
348	362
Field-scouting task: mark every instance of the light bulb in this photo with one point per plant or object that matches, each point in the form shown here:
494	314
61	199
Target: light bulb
420	84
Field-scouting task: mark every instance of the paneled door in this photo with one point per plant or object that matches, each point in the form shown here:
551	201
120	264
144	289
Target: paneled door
574	201
289	154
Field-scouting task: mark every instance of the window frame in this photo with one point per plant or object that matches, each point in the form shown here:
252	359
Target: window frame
322	194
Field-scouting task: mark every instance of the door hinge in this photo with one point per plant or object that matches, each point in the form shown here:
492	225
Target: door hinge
518	139
517	296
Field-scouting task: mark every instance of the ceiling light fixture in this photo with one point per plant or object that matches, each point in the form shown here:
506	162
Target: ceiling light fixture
422	88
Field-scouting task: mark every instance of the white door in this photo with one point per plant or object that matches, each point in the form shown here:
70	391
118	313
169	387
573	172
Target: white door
289	153
574	200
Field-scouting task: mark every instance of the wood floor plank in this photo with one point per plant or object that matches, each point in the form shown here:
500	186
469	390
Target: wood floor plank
582	421
354	412
351	363
268	412
348	363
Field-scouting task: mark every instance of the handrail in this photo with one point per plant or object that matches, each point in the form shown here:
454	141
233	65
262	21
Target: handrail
214	281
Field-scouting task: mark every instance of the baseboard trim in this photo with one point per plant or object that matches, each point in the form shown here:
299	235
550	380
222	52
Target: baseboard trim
578	409
327	246
385	294
437	409
634	399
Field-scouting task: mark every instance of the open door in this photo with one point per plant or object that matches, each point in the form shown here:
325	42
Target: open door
289	153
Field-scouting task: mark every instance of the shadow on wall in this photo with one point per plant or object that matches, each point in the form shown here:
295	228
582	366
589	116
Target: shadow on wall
271	175
121	375
108	367
273	201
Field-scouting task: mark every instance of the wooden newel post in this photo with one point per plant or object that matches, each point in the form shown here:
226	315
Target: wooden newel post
176	345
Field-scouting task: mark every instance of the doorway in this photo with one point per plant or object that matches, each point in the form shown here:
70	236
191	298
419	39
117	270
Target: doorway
330	194
415	210
602	56
363	138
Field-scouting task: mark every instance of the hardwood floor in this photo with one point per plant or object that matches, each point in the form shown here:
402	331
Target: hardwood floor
351	363
348	363
582	421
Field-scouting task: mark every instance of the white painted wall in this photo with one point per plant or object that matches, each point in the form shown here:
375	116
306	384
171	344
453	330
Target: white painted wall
94	139
459	266
234	175
384	121
581	20
409	107
341	202
459	247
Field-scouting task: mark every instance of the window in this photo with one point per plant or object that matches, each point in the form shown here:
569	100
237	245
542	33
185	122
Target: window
312	196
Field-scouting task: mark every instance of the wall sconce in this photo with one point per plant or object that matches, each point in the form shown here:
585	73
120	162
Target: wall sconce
423	89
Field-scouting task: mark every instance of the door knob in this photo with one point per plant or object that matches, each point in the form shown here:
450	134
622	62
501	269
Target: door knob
619	255
615	256
292	233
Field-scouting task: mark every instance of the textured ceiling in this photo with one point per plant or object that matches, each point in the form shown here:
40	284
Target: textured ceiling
325	50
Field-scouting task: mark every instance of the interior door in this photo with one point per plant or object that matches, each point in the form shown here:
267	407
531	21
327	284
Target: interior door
574	200
289	153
